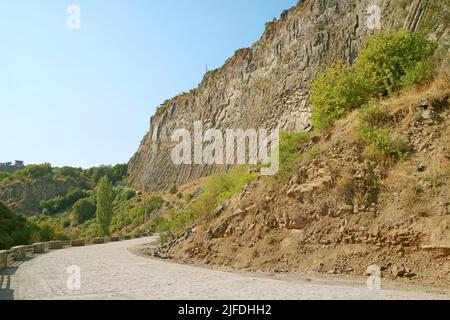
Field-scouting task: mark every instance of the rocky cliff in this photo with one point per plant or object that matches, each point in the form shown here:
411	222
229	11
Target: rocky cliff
266	85
24	197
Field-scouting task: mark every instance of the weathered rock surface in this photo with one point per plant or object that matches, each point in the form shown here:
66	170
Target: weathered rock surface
24	197
265	86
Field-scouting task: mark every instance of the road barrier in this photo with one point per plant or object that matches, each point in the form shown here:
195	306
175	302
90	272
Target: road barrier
19	252
3	259
98	241
78	243
8	257
38	248
55	245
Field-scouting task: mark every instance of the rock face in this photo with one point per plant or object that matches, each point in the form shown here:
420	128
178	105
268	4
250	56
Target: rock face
267	85
24	197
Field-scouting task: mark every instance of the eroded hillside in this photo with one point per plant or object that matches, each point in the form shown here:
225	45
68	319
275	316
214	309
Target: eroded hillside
345	208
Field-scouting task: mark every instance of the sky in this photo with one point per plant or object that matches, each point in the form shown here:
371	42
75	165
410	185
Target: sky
84	97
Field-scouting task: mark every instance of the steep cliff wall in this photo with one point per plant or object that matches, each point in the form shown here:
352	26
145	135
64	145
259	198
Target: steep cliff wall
266	85
24	197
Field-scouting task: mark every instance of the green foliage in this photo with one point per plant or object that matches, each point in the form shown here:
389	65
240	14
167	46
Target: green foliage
333	93
83	210
130	214
69	172
104	205
9	167
3	176
61	203
90	231
290	142
123	194
17	230
377	137
35	171
188	197
114	173
391	60
217	189
373	115
12	229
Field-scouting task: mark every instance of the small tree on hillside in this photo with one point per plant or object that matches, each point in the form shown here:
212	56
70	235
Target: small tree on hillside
104	205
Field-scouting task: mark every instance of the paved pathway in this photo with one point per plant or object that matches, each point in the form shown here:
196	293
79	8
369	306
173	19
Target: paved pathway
110	271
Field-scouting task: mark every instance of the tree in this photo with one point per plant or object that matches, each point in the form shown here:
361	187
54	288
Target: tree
83	210
104	205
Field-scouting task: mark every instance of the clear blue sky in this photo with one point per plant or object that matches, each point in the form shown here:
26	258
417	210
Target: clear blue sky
84	98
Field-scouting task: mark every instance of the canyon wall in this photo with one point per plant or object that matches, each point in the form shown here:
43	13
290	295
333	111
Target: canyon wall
266	85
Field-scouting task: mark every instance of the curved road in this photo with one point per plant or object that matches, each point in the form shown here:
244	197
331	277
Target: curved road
110	271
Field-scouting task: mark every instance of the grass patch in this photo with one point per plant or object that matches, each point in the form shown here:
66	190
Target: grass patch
217	189
380	140
290	143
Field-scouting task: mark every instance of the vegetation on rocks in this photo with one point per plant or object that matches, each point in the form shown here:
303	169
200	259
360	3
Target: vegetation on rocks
388	62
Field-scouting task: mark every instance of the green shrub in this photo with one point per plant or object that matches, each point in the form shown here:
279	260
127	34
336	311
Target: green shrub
290	142
83	210
114	173
387	62
3	176
69	172
333	93
391	60
131	214
217	189
373	115
188	197
35	171
61	203
124	194
17	230
380	139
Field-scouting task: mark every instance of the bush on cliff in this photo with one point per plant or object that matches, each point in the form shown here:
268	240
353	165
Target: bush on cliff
333	93
391	60
388	62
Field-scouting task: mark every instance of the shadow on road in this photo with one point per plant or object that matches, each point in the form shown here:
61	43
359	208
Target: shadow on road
6	292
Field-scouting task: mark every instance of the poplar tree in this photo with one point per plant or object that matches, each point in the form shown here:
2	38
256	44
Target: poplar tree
104	205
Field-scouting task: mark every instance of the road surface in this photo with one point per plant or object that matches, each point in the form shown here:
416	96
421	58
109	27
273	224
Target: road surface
110	271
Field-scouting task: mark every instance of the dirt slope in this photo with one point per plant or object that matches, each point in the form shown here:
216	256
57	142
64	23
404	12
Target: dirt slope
346	209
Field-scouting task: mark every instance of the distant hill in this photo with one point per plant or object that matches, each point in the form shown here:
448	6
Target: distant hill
9	167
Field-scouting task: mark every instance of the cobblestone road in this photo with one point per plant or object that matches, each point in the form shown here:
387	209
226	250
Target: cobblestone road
110	271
